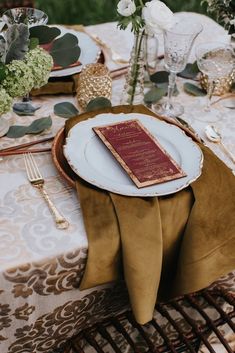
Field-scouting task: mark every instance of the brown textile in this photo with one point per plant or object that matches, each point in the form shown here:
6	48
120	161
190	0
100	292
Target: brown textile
164	246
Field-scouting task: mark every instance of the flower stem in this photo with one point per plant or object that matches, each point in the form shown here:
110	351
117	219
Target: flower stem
136	66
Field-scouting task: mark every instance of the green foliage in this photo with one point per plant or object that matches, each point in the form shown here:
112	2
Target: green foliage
193	89
98	11
65	110
154	95
15	45
65	50
98	103
36	127
191	71
44	34
224	10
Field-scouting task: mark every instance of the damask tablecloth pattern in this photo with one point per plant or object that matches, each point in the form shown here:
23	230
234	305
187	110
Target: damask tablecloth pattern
40	266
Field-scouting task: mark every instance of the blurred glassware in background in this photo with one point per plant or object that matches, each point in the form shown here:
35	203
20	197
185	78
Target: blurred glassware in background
27	15
216	61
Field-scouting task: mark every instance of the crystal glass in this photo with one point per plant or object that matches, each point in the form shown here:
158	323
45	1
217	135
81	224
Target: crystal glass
178	42
27	15
30	17
216	61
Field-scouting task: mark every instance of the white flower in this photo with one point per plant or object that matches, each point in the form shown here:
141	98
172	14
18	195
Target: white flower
157	17
126	7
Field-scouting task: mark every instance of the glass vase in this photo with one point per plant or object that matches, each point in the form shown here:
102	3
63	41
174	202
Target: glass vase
133	92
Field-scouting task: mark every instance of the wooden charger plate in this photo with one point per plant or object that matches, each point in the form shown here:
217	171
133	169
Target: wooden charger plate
59	159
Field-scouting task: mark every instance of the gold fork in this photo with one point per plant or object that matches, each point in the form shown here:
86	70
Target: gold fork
36	179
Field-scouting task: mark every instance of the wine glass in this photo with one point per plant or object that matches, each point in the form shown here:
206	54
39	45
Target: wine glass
215	60
178	42
30	17
27	15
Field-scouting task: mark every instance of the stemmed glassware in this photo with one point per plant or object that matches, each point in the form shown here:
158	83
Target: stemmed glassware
178	42
27	15
30	17
216	61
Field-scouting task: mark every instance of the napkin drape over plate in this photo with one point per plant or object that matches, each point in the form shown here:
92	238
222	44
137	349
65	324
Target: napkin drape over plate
164	246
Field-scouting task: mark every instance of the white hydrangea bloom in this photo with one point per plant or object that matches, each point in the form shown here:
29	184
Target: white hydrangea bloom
19	79
126	7
40	62
6	101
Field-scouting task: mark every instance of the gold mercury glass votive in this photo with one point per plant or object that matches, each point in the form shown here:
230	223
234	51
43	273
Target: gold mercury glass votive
222	85
94	81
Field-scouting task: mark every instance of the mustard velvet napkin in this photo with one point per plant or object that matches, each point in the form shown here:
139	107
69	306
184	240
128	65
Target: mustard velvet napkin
164	246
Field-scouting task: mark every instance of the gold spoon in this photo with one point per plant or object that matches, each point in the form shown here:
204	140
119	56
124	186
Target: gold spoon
214	136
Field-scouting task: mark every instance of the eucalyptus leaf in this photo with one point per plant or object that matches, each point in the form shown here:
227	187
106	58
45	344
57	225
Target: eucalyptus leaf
24	108
65	50
191	71
65	110
17	131
44	34
193	90
98	103
154	95
40	125
34	42
36	127
160	77
17	41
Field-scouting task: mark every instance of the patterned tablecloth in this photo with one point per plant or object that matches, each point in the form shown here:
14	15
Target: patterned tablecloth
40	266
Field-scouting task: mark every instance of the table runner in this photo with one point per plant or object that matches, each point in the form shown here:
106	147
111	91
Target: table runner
185	246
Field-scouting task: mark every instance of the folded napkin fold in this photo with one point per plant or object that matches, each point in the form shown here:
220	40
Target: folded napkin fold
163	246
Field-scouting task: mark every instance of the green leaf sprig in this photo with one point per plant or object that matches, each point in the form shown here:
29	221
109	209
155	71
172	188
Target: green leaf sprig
36	127
98	103
64	50
65	110
194	90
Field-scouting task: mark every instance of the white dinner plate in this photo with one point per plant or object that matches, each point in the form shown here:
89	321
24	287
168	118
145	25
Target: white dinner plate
90	52
92	161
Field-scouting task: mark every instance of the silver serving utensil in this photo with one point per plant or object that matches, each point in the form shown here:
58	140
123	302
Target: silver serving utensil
214	136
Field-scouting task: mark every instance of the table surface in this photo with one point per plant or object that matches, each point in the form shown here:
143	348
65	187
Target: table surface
40	266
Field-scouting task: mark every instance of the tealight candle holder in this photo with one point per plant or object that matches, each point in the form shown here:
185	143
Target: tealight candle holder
94	81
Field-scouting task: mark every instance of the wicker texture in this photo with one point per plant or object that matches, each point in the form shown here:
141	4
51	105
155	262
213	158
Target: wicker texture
101	337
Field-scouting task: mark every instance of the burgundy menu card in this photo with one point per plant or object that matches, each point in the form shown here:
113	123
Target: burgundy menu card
139	153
